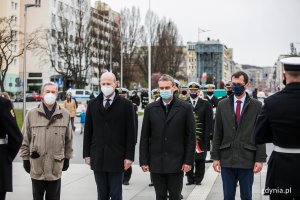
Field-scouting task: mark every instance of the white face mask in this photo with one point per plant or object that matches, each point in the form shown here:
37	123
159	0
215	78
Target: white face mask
107	90
50	98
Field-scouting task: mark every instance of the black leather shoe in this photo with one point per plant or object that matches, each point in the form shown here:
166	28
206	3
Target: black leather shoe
190	183
125	183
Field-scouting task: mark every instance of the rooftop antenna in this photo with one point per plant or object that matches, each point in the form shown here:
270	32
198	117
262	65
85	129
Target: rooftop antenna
201	31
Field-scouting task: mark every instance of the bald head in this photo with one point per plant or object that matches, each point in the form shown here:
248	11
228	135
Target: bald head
109	79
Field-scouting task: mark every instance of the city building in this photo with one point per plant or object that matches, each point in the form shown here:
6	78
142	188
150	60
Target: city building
191	62
105	31
215	60
10	10
53	19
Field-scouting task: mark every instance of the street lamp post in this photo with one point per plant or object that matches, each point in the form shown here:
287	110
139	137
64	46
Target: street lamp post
37	4
149	57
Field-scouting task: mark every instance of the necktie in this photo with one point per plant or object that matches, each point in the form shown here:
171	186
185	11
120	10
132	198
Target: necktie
167	108
194	103
107	104
238	111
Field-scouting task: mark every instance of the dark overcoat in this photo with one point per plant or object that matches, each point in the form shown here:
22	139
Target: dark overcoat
233	144
9	129
279	123
203	111
167	141
109	135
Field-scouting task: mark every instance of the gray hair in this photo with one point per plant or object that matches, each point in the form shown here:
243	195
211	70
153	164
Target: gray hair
166	77
49	83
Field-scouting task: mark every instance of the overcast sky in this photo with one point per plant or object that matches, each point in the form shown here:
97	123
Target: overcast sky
257	30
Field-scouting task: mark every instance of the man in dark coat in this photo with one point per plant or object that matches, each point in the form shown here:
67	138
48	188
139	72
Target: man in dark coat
10	143
279	123
228	91
109	138
213	100
167	144
203	115
234	152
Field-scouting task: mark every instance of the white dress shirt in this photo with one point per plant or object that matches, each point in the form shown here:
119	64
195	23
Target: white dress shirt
111	99
242	104
192	101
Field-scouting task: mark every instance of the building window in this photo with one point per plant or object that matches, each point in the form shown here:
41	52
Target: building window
53	47
35	75
54	3
12	5
16	6
15	61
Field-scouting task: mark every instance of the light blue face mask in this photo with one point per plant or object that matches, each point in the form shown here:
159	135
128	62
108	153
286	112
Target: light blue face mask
166	94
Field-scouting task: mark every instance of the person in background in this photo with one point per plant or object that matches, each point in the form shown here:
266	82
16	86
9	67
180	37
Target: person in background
203	115
210	88
135	99
234	151
228	91
82	117
10	142
70	105
144	98
47	145
184	95
254	93
279	123
109	138
5	95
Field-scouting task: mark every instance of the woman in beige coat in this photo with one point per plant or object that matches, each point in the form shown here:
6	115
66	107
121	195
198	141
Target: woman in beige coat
70	105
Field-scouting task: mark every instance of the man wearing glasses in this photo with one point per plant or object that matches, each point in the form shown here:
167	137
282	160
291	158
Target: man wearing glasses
234	151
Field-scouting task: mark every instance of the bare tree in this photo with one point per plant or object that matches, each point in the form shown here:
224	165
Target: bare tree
68	45
166	49
9	41
131	38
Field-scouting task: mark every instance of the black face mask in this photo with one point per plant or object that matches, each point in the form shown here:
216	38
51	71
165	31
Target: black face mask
193	95
209	93
229	92
184	92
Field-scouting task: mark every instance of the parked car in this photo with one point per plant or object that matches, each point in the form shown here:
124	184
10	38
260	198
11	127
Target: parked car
80	93
36	96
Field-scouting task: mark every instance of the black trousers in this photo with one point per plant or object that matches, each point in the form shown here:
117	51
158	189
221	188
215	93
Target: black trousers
275	197
109	185
52	189
2	195
164	183
196	174
127	174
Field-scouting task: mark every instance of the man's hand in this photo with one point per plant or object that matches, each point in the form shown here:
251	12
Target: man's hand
127	164
217	166
257	167
87	160
186	168
145	168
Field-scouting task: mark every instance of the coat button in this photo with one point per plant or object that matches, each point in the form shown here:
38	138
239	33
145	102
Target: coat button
166	139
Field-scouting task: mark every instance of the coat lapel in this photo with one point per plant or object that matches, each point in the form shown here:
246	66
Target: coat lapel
174	109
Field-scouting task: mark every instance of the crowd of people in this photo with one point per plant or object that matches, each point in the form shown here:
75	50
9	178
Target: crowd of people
179	128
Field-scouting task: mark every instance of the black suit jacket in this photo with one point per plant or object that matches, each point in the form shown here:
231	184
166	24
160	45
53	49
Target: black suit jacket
9	128
167	141
204	112
213	101
109	135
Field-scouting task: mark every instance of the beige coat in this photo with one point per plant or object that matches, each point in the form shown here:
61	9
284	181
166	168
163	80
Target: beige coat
52	139
71	107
